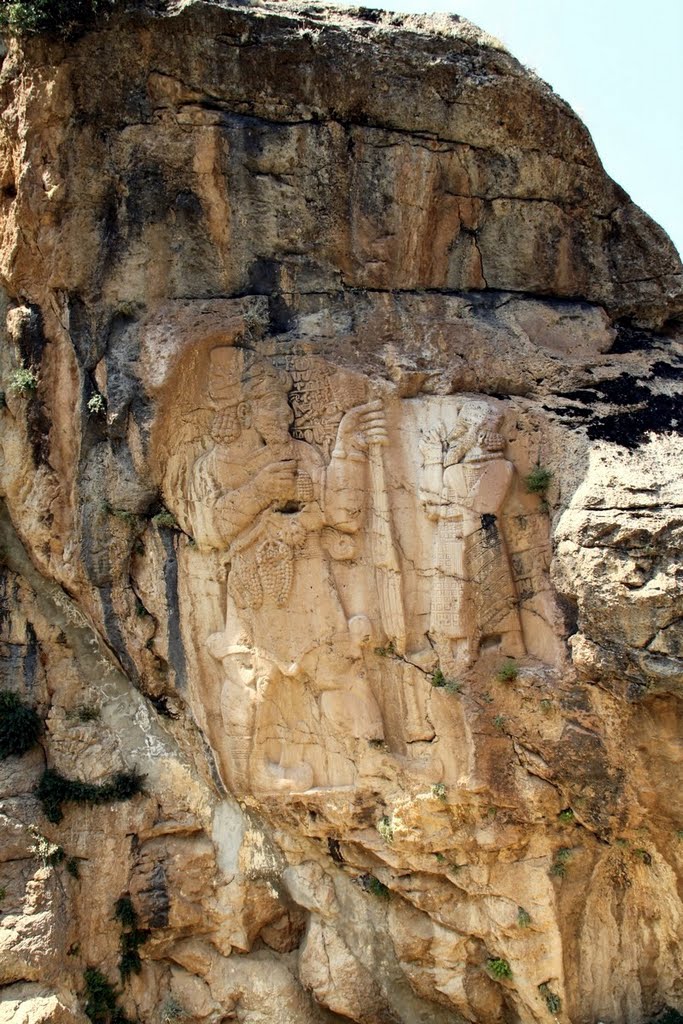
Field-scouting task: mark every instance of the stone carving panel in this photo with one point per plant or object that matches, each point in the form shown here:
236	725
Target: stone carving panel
345	543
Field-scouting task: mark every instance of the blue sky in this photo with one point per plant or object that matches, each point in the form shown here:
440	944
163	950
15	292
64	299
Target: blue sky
619	63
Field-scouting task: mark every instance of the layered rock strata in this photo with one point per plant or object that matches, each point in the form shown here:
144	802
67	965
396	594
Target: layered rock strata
340	466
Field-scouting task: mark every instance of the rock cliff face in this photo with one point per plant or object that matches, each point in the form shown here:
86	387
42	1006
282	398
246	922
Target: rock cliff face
340	465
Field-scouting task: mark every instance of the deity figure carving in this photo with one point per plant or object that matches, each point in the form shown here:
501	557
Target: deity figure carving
278	515
464	482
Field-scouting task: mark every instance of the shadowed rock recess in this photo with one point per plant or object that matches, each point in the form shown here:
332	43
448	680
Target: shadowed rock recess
341	533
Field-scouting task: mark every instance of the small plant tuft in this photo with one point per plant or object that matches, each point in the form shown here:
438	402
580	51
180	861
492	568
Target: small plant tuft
523	918
538	480
23	381
125	912
385	827
87	713
20	725
132	937
440	682
499	722
172	1011
373	885
389	651
558	868
644	856
101	1001
96	405
566	816
546	706
129	518
438	791
166	519
508	671
498	967
55	789
50	854
552	1001
72	867
33	17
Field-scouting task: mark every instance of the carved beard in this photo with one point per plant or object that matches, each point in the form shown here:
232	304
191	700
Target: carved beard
226	428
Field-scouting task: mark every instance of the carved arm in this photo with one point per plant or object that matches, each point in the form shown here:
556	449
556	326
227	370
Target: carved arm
346	483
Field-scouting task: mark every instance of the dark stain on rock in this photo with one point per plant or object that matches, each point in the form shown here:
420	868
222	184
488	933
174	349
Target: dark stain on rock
631	339
176	650
88	341
156	900
666	371
264	279
38	430
582	764
114	637
110	230
188	208
147	199
661	414
334	850
30	659
489	523
160	705
644	412
570	613
31	336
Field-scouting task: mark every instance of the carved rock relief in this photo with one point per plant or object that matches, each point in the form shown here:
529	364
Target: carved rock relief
345	545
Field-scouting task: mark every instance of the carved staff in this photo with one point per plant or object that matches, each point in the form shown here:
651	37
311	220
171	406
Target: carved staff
384	554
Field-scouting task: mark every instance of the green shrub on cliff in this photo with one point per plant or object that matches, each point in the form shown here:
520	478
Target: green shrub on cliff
55	789
20	725
30	17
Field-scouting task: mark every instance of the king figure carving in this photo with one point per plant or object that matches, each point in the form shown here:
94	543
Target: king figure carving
278	515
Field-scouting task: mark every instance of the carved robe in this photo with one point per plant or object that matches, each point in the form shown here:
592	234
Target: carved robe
281	598
473	594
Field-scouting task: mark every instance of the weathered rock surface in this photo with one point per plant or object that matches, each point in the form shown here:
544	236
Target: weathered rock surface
342	499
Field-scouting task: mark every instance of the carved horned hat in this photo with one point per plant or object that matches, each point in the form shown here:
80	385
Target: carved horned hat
238	375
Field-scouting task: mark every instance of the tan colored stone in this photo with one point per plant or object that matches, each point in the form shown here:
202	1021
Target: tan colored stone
343	280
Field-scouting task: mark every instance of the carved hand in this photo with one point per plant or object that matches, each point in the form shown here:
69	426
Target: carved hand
361	427
277	480
431	444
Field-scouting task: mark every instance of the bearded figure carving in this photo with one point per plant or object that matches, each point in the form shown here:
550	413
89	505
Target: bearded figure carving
278	515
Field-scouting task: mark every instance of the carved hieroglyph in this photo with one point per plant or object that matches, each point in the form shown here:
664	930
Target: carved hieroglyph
351	543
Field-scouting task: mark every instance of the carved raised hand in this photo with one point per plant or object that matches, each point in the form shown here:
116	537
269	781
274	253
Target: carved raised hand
361	427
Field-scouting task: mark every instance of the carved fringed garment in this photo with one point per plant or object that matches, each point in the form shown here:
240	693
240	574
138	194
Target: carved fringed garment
473	594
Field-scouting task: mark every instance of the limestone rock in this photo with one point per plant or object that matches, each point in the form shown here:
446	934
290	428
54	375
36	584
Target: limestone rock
340	477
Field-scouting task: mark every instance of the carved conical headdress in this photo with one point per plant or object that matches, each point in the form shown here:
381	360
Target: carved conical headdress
237	375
